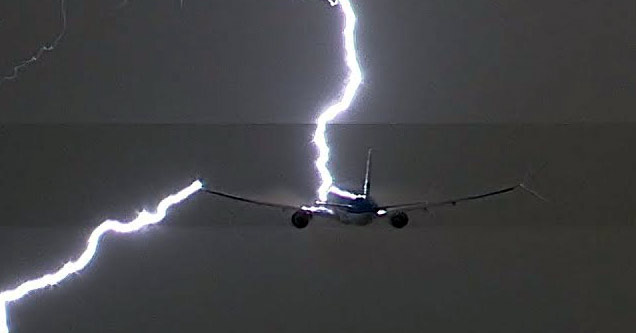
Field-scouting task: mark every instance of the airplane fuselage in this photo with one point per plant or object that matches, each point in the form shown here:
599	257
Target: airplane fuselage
361	211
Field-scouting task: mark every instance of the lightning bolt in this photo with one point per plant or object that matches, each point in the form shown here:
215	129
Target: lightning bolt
44	48
143	219
146	218
352	83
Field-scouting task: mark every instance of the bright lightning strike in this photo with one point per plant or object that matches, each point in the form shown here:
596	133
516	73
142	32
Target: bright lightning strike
44	48
146	218
353	82
317	209
143	219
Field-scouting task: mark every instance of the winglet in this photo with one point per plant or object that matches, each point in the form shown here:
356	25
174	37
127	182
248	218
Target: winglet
533	192
528	176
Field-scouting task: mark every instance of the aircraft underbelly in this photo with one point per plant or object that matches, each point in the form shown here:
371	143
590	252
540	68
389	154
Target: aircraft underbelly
356	219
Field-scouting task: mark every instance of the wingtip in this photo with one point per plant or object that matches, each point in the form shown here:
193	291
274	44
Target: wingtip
529	175
533	192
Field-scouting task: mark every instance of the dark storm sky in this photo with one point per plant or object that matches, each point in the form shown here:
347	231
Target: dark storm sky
281	61
508	264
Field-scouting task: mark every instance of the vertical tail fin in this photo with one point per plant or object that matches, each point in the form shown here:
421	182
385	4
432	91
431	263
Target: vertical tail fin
367	175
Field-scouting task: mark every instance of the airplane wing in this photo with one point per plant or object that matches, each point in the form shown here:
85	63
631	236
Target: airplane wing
452	202
270	204
252	201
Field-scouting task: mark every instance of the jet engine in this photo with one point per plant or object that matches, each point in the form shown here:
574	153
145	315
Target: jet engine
399	219
301	218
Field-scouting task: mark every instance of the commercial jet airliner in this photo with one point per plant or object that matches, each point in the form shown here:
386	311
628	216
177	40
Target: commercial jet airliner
363	209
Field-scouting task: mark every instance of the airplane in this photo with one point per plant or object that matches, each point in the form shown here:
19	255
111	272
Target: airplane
363	209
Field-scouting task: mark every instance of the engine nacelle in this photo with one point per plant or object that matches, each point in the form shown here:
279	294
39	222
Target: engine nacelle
399	220
301	218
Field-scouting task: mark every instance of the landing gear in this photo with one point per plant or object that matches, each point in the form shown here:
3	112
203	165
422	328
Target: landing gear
301	218
399	220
